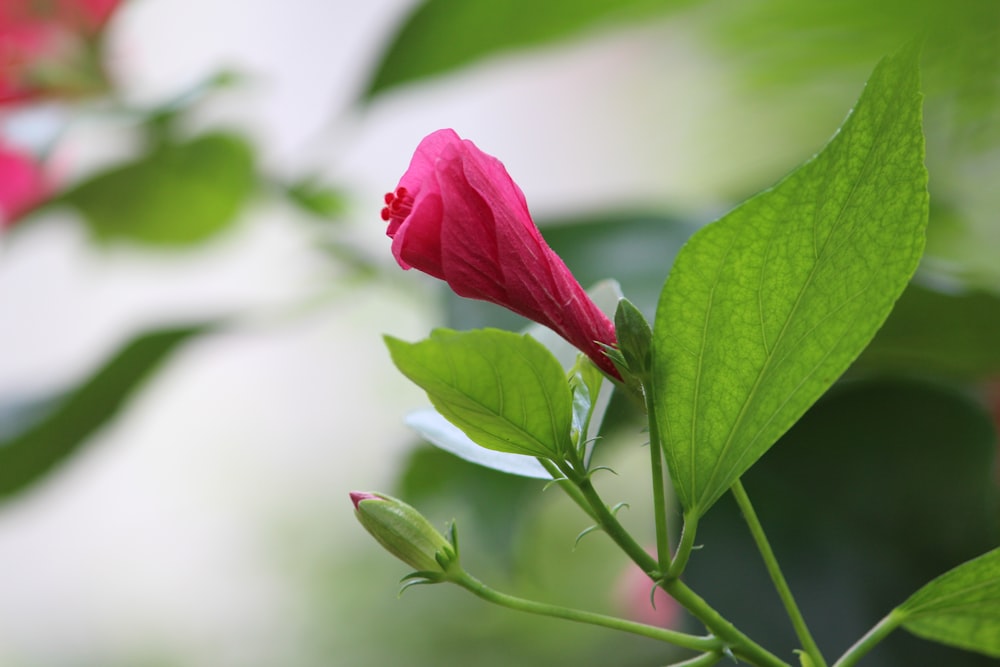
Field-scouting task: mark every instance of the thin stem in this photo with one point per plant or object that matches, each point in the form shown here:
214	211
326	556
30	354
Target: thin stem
685	546
871	638
681	639
568	486
777	577
659	492
703	660
610	525
741	644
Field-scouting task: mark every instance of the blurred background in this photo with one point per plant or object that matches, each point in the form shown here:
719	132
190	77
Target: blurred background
194	281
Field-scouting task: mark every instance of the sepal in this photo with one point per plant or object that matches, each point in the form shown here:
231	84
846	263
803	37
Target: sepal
635	340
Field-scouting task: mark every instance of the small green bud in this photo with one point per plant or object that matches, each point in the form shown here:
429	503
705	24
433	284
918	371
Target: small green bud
404	532
634	353
635	338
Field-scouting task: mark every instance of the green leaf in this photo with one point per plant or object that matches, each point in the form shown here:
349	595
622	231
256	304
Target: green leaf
441	35
504	390
438	431
960	608
766	308
31	453
585	381
179	194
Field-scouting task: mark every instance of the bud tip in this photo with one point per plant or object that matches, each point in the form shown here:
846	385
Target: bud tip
358	496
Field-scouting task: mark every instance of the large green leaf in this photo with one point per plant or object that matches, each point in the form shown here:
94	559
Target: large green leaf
765	308
959	608
30	453
441	35
180	193
504	390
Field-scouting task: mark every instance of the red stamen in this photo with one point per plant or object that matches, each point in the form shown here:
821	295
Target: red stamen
398	205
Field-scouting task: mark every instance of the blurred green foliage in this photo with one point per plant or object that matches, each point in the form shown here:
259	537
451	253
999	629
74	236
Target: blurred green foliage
180	193
953	334
49	436
443	35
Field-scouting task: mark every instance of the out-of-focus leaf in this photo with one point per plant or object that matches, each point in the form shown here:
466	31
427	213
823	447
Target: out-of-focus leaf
20	414
767	307
929	331
959	608
31	453
441	35
179	194
317	199
960	38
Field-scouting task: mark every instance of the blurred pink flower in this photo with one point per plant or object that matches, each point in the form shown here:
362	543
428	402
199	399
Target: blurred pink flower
22	185
458	216
43	45
632	595
91	14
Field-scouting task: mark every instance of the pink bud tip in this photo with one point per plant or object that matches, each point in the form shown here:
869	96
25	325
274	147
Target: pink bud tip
358	496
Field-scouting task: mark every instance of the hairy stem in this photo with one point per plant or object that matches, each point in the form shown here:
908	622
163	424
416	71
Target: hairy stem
568	486
739	643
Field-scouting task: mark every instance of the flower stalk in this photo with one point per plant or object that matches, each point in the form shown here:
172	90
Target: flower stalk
683	640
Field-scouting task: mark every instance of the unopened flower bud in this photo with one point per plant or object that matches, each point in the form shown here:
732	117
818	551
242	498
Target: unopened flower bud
458	215
404	532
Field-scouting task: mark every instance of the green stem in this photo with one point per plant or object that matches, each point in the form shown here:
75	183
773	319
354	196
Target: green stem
871	638
659	492
777	577
685	546
681	639
703	660
568	486
610	525
741	644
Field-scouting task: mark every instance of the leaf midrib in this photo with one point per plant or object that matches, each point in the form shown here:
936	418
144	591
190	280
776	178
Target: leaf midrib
769	356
